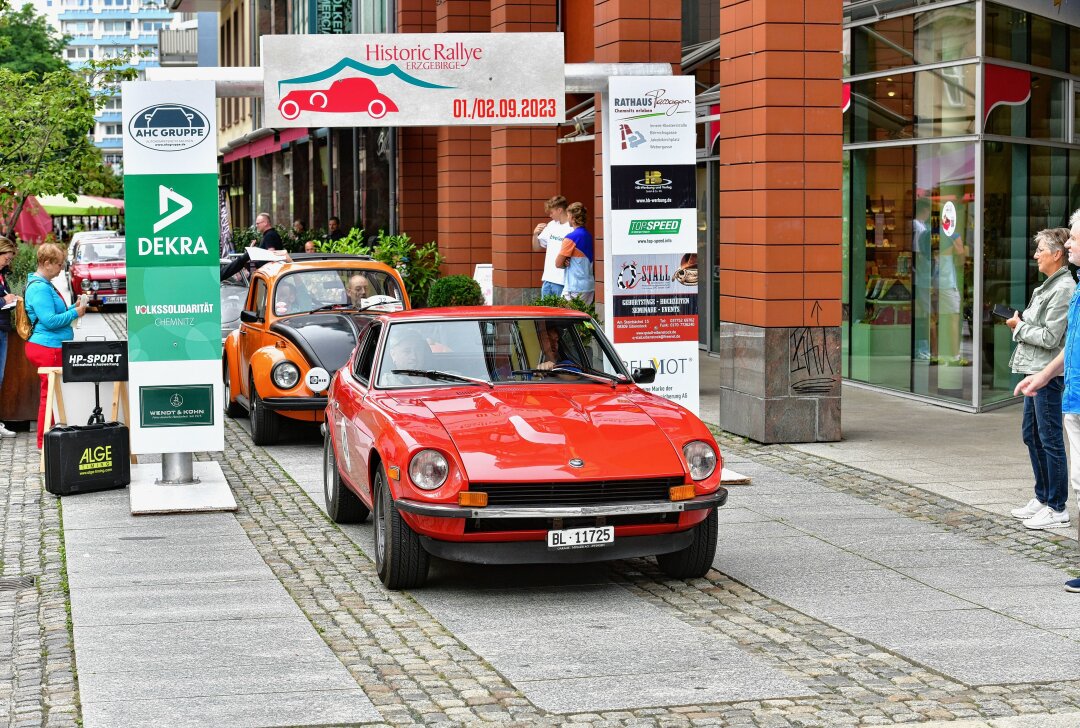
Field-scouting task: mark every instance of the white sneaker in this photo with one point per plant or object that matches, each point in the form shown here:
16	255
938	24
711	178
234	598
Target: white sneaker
1033	506
5	432
1048	518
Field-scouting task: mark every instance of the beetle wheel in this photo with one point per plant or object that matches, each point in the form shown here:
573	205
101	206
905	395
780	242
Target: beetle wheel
694	561
264	422
400	558
342	505
232	407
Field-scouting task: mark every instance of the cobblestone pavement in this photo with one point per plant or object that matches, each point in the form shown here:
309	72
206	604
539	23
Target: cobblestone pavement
37	663
418	673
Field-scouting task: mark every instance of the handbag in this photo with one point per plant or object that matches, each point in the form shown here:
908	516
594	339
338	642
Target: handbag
20	320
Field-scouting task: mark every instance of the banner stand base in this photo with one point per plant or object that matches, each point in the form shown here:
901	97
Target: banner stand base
211	493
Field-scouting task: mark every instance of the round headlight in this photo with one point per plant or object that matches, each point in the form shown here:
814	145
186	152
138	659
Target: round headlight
85	285
95	285
285	375
428	469
701	458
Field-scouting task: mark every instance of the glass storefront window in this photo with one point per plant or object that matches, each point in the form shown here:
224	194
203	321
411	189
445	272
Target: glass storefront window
1026	189
922	104
701	21
1006	32
910	268
1041	117
942	34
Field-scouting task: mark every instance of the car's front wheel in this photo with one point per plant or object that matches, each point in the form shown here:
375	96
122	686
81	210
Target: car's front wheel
342	505
400	558
232	407
694	561
264	422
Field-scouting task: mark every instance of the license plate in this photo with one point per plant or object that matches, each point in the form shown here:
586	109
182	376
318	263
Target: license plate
581	538
114	299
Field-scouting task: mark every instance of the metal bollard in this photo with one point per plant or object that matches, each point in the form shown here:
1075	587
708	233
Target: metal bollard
177	469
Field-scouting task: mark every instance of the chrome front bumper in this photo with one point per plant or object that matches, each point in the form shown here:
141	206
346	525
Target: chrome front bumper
441	510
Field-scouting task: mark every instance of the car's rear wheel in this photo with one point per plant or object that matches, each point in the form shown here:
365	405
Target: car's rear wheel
694	561
232	407
342	505
264	422
377	108
400	558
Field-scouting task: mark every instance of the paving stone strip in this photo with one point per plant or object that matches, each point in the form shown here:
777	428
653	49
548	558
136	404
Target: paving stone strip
37	663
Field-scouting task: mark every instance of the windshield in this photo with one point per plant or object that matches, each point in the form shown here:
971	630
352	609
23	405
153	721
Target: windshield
110	252
544	350
307	290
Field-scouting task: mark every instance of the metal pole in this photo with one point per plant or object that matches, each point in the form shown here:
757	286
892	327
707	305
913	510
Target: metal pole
177	469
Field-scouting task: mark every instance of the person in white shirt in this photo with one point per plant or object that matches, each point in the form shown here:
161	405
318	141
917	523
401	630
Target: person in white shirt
548	236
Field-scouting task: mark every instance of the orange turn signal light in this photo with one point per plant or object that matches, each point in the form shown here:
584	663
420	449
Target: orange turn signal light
681	492
473	498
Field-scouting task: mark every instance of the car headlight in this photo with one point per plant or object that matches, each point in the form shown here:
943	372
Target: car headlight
95	285
428	469
85	285
701	458
285	375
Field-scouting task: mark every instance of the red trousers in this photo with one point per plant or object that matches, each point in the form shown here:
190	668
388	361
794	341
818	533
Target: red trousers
42	356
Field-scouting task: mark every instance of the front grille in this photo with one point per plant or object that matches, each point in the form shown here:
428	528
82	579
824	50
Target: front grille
115	283
495	525
576	493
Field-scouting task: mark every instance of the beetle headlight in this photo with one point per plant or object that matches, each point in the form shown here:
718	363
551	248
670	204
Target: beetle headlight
428	469
701	459
285	375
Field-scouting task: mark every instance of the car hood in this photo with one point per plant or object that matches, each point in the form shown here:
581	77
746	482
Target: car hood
325	339
532	434
101	271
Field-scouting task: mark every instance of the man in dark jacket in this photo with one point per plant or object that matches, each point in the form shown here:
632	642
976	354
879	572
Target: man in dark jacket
270	238
333	230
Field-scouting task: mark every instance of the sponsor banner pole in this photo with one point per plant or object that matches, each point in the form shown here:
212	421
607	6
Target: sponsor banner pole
174	317
650	215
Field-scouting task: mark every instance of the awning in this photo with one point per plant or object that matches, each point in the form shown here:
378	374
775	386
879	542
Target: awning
113	201
33	223
266	143
83	205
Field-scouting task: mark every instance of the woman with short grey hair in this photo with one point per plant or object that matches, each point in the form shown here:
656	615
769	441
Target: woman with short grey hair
1039	334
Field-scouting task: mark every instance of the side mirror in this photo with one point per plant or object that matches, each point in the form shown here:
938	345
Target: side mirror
644	375
249	317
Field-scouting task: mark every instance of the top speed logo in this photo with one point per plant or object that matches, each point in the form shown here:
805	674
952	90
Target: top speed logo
169	127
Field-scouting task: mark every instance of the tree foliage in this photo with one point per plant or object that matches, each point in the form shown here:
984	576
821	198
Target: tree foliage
44	144
28	44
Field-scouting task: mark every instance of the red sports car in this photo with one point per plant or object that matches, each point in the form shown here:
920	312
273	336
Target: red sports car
503	435
349	95
98	268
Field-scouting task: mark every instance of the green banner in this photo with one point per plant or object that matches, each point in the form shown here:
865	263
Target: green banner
173	314
176	406
172	220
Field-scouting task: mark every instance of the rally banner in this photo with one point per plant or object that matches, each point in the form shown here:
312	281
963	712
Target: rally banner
173	252
414	79
651	292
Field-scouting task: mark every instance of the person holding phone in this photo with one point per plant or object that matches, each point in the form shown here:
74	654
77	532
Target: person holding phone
1039	334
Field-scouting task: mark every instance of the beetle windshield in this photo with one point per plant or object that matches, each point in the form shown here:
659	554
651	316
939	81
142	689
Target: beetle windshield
544	350
308	290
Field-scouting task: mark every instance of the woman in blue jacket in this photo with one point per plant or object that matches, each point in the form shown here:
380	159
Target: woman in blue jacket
51	317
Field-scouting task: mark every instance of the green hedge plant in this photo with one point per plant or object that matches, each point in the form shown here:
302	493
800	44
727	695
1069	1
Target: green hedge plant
456	290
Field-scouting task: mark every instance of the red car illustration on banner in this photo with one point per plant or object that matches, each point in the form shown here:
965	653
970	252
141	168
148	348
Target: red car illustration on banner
349	95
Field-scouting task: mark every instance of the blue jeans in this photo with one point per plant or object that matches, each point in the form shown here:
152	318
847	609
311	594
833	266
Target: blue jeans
1046	445
550	289
3	354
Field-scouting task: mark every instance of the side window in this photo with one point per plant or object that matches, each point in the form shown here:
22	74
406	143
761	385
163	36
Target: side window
258	298
366	360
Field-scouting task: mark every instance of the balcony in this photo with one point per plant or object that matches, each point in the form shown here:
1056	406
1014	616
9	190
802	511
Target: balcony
109	143
178	47
108	117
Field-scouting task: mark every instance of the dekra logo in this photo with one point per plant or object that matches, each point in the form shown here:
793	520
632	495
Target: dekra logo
171	245
646	227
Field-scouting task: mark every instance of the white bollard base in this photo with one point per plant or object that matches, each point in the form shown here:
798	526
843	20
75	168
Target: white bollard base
211	493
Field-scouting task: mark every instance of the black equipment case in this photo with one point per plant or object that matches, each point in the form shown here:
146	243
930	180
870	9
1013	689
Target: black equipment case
83	459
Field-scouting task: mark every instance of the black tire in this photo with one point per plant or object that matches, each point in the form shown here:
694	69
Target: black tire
232	408
694	561
400	559
342	505
264	422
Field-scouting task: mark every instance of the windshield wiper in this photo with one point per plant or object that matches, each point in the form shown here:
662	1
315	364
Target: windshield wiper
437	374
598	377
327	307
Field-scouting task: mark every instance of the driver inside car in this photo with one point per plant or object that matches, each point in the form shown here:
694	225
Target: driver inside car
552	354
359	289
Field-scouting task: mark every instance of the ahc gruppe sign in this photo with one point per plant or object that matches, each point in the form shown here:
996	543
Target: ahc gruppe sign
652	287
414	79
172	240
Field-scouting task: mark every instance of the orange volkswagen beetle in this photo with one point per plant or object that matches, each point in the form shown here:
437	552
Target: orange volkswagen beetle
299	325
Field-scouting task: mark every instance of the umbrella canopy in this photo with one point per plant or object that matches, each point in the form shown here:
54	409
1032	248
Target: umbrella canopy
83	205
34	223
